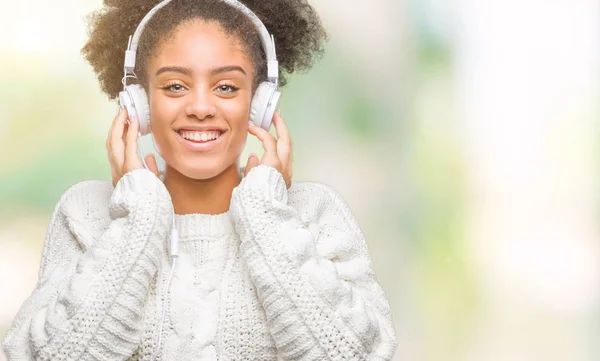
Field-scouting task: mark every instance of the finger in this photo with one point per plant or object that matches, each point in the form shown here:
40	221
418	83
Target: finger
131	143
126	130
118	126
269	142
112	127
280	126
115	145
151	163
114	176
284	141
252	162
124	136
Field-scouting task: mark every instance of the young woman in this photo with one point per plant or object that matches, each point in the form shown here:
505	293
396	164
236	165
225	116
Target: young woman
205	262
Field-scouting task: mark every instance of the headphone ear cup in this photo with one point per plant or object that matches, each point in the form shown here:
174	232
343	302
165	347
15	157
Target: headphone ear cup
271	107
134	98
140	100
264	104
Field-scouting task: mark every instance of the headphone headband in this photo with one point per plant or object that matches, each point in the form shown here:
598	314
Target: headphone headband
267	40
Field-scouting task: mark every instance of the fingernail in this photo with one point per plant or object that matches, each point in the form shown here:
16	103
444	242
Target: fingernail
251	154
279	111
250	124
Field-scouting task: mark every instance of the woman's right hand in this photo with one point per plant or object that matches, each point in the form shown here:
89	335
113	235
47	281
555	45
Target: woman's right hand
122	147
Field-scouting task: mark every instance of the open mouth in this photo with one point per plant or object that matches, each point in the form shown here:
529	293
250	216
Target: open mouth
200	137
205	140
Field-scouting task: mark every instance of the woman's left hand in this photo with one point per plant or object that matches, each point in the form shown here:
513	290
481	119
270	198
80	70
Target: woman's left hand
278	152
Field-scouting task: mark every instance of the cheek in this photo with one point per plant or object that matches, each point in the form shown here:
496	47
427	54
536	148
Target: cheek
161	116
236	110
161	111
237	116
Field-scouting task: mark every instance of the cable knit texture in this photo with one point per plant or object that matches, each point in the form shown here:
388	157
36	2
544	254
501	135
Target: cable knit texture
285	274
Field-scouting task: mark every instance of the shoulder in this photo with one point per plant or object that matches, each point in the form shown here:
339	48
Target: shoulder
79	218
85	208
316	200
328	215
312	189
84	196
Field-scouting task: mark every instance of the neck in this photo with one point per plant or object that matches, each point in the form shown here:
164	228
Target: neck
205	196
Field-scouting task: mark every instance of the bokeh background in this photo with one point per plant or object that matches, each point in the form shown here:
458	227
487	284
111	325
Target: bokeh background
463	134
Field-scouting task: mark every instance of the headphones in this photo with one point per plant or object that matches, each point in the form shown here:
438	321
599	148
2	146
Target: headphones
265	100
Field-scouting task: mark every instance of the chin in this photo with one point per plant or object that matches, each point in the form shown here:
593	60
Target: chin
200	173
199	170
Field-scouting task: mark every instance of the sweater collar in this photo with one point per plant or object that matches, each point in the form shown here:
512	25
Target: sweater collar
196	225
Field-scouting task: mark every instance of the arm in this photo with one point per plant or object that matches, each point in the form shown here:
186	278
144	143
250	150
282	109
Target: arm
316	284
91	292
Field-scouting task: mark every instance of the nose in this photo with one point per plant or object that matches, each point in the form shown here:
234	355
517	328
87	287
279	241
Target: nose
201	105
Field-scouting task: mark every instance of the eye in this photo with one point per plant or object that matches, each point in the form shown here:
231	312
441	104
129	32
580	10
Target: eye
226	88
174	87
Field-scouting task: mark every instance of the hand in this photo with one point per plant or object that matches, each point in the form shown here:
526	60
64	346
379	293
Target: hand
278	152
122	147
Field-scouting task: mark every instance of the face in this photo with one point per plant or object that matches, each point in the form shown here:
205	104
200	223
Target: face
200	89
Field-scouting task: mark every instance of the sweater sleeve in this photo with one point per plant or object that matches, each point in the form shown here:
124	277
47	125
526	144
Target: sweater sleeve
316	281
94	279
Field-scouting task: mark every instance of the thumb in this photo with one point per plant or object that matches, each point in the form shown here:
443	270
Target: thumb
252	162
151	163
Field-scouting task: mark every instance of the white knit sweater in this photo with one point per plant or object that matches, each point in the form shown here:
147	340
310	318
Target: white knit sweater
285	274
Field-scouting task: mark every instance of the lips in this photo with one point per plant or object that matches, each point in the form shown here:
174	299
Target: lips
200	140
200	136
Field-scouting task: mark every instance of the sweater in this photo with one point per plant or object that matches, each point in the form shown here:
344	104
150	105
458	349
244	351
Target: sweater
284	274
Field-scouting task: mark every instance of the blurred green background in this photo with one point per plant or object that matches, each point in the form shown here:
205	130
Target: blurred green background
463	134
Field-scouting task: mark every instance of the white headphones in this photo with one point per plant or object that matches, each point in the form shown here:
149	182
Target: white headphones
265	100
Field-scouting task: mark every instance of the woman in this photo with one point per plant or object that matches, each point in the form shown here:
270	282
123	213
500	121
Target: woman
266	268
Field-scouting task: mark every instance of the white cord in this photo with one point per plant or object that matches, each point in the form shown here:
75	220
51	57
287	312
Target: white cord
124	79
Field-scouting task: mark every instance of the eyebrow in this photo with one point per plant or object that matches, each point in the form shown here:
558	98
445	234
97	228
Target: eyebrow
188	71
226	69
175	69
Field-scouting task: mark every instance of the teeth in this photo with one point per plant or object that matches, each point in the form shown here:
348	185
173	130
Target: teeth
200	136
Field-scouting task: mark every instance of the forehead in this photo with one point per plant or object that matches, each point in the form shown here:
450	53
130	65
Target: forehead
200	45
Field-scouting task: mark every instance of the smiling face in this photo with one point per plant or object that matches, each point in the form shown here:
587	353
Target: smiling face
199	90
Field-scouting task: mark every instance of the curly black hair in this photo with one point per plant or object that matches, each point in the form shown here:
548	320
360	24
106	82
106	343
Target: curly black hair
297	29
